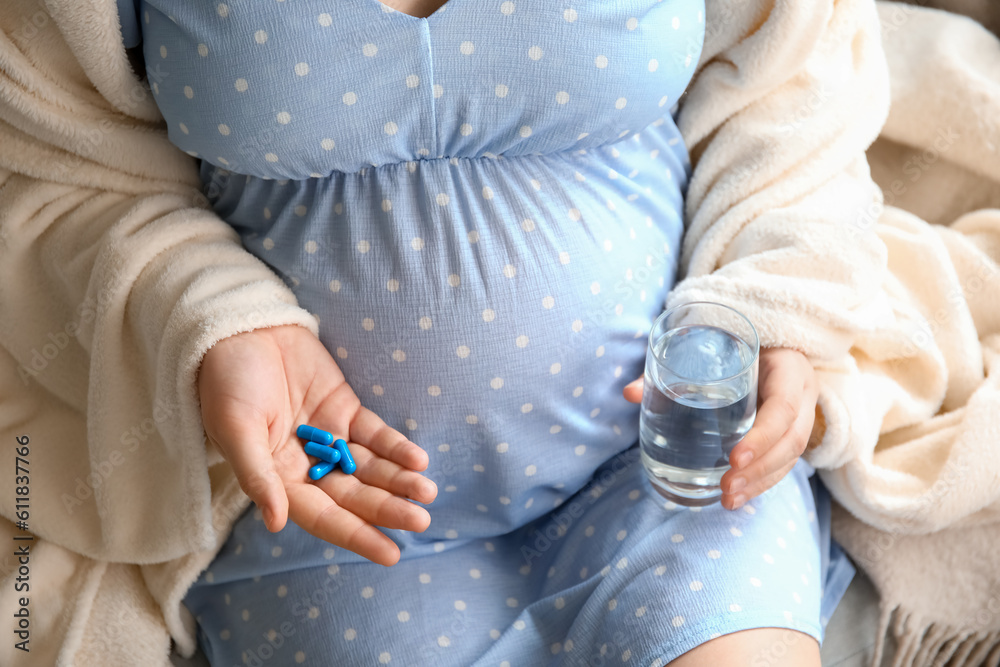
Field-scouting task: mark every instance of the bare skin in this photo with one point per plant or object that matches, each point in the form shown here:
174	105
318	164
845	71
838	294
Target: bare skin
787	393
760	647
256	388
787	396
415	8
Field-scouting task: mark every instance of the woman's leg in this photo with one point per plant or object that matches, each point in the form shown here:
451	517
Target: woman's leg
760	647
666	585
613	576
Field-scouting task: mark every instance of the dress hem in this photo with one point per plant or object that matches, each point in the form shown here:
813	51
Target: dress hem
724	624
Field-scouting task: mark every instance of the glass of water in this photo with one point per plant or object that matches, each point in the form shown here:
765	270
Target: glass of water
699	398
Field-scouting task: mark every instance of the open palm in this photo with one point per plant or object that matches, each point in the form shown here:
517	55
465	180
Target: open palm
256	388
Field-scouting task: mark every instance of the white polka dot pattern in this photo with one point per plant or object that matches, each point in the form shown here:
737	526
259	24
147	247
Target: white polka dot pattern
415	83
451	595
483	209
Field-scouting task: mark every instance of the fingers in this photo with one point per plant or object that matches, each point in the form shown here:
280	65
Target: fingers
243	441
633	391
319	515
369	429
780	432
373	504
737	497
775	416
782	381
772	466
397	480
377	490
385	458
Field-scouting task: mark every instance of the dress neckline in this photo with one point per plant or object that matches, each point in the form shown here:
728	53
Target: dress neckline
382	7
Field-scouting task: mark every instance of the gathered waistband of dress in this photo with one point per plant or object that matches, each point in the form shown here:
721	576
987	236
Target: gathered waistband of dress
666	122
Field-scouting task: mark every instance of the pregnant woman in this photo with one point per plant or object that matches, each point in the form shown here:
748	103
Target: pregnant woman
482	203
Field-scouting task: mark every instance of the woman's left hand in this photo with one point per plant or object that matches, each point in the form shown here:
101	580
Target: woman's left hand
787	393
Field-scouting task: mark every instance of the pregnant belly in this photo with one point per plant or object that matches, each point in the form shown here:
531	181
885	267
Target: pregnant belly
489	309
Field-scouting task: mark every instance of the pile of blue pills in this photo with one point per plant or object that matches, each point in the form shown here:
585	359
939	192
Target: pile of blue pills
330	452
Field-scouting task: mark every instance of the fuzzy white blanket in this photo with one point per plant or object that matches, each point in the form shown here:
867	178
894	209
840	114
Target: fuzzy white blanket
115	278
920	470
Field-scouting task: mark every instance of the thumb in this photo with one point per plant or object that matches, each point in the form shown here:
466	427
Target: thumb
244	444
633	391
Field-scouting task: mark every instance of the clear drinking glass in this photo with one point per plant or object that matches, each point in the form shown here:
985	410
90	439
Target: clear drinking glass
699	398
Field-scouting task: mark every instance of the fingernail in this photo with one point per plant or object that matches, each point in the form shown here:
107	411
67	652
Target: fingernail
266	513
738	501
737	484
743	459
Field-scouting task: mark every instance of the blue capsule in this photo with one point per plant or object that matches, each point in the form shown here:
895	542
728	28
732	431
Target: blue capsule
328	454
320	469
314	434
347	463
320	443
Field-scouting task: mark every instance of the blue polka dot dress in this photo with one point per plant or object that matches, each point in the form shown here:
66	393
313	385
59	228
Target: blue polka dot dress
483	207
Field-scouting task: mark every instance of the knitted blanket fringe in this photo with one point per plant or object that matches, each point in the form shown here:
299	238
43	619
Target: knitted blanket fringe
922	642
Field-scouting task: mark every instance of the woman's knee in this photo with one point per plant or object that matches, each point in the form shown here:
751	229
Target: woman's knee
759	647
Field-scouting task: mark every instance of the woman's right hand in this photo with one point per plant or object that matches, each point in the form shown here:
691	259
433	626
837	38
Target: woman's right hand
256	388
